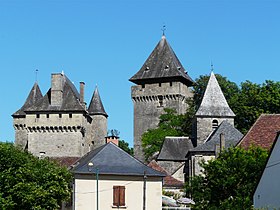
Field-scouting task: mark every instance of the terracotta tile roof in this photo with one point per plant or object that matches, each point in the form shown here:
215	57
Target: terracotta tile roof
65	161
263	132
168	181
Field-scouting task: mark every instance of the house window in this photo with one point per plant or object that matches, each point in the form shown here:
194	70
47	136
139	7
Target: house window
214	124
118	196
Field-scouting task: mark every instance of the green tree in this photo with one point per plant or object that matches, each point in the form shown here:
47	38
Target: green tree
30	183
170	124
125	146
229	181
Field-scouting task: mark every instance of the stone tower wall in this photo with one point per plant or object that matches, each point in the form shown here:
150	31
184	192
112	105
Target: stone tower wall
21	136
56	134
98	131
204	127
149	103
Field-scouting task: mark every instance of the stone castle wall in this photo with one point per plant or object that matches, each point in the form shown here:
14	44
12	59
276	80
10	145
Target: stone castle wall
149	103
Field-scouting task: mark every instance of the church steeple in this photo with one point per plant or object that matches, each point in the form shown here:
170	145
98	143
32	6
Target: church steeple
212	111
96	107
214	102
162	66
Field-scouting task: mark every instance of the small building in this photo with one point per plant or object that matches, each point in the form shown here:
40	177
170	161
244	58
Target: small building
109	178
267	193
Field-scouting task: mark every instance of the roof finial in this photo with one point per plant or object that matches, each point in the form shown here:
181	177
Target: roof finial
163	30
212	67
36	75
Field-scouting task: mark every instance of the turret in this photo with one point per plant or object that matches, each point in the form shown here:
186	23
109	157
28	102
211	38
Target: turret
99	120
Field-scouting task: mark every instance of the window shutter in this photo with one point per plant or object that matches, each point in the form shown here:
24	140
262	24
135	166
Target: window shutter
115	195
119	196
122	196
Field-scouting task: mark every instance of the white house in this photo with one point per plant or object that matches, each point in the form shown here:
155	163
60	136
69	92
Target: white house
109	178
267	193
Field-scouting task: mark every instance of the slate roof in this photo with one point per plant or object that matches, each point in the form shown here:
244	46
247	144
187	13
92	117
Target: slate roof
175	148
34	95
162	66
112	160
168	181
231	134
214	102
70	101
96	107
263	132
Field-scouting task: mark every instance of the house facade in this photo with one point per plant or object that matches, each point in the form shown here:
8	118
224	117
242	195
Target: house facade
109	178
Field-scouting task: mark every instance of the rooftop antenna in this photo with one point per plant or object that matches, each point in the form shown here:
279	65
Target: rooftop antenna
36	75
163	30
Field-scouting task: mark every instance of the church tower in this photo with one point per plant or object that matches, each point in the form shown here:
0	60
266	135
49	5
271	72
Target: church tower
99	120
212	111
162	82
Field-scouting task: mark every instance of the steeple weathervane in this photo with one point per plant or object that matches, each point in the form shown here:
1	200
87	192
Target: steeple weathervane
163	30
36	75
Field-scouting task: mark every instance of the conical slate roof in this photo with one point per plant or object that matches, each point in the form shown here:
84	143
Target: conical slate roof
162	66
214	102
34	96
96	107
112	160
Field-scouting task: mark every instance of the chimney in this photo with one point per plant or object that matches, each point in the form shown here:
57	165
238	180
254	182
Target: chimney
82	93
57	89
222	142
113	139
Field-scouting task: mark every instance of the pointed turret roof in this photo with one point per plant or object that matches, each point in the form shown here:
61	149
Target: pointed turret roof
214	102
70	99
96	107
162	66
34	96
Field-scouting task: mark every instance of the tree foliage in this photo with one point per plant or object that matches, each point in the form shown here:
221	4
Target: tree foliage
170	124
125	146
30	183
228	181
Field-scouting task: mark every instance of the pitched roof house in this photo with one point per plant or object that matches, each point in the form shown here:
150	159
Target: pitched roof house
267	193
111	178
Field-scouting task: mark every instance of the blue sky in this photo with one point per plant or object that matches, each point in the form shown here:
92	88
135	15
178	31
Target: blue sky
106	42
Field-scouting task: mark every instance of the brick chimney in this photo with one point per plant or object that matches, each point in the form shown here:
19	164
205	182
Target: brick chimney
113	139
82	93
57	89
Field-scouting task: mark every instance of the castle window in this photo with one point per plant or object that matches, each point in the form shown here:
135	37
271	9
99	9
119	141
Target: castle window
37	115
215	124
48	115
160	100
70	115
170	84
159	84
60	115
143	86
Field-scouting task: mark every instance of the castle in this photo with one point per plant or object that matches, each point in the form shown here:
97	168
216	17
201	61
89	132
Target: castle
59	124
